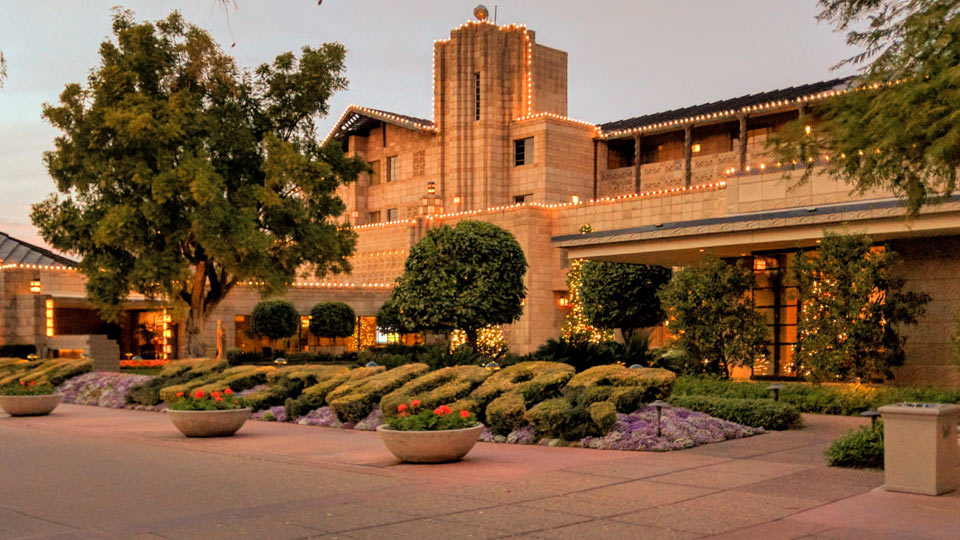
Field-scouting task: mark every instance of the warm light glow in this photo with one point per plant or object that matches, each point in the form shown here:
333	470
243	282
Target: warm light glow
807	129
695	148
35	286
759	264
456	199
49	317
575	199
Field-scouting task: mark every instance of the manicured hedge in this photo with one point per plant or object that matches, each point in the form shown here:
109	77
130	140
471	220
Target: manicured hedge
627	388
289	382
53	371
236	378
764	413
532	381
315	396
354	400
842	399
862	448
444	386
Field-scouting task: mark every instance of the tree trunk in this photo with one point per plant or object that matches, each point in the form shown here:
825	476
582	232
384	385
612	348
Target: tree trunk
196	347
472	336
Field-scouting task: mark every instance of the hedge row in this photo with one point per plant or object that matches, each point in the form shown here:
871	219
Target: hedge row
764	413
547	395
53	371
841	399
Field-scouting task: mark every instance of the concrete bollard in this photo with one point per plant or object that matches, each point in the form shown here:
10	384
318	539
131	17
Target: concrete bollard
921	454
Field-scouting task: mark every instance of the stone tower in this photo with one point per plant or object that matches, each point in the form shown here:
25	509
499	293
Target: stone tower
485	77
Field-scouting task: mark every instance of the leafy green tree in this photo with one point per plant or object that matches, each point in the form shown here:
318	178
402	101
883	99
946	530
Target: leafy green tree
389	318
622	295
851	309
710	311
463	277
275	319
332	320
896	128
181	175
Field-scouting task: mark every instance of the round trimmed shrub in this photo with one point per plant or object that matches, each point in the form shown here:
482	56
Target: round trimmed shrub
275	319
332	320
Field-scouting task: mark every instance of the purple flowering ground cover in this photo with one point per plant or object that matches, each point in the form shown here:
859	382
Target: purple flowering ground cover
101	389
679	428
276	413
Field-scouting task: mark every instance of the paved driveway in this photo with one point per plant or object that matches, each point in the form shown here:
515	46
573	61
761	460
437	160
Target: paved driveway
87	472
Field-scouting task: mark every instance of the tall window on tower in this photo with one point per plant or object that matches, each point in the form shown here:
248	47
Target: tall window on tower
523	151
391	168
476	96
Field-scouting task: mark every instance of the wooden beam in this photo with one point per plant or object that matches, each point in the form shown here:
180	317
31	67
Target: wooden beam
687	153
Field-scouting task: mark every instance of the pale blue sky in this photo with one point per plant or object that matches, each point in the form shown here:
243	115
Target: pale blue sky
626	57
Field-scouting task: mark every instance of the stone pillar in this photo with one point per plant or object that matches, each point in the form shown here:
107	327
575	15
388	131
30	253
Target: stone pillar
687	153
637	147
742	150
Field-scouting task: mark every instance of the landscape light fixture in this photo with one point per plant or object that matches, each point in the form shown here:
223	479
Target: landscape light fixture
776	390
873	415
659	405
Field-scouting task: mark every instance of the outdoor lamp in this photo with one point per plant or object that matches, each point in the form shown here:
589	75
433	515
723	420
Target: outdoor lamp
282	361
872	414
659	405
35	285
492	366
636	366
371	364
776	390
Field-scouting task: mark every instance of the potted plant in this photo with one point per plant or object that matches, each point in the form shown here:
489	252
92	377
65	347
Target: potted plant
29	398
425	436
217	414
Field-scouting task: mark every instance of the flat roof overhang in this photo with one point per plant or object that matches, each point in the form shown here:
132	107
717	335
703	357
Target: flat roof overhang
685	242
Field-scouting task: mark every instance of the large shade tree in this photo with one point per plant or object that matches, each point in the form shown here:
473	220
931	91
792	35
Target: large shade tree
897	127
181	175
463	277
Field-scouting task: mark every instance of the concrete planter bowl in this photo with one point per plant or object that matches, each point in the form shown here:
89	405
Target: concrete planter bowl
430	446
30	405
209	423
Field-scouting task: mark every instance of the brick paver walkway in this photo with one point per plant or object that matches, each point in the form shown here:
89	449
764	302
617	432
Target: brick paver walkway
88	472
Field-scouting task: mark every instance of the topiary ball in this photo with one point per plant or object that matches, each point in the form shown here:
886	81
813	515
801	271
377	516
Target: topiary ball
332	320
275	319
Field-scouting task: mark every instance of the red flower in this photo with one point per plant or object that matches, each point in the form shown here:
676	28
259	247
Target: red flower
401	407
415	403
438	411
32	383
215	394
218	398
465	414
227	391
236	402
446	409
198	394
179	394
23	383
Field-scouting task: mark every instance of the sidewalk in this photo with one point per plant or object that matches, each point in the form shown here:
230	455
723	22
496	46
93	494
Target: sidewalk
89	472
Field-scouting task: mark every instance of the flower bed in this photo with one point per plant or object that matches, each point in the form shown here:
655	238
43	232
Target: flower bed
138	364
101	389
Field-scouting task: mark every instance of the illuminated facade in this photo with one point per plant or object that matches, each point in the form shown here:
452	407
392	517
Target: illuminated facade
663	188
